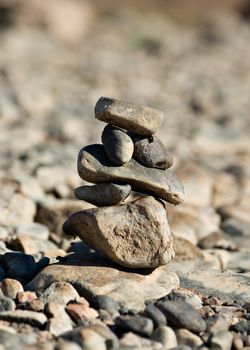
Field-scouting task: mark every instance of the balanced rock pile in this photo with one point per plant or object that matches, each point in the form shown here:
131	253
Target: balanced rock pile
131	157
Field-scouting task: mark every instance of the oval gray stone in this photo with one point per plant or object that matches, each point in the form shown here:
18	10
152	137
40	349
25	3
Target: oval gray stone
94	166
127	115
118	145
135	235
151	152
103	194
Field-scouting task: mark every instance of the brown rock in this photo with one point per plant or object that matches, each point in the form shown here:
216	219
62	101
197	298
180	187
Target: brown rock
11	287
138	119
137	234
81	311
91	275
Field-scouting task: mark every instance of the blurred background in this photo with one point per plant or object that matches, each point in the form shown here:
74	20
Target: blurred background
189	58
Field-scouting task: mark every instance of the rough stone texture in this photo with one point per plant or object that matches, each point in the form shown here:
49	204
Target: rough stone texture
134	235
60	293
138	119
216	283
93	276
94	166
151	152
182	314
118	145
103	194
33	318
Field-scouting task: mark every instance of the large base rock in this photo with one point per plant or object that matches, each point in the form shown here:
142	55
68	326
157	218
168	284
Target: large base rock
135	235
91	275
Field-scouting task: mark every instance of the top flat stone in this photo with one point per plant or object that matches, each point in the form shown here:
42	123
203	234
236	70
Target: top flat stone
138	119
94	166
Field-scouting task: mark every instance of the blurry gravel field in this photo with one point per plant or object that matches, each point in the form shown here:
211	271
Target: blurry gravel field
58	57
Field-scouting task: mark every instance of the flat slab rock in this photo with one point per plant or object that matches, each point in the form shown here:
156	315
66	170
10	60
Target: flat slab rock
130	116
134	235
92	275
224	285
94	166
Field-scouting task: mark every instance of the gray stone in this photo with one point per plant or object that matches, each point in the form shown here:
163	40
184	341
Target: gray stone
6	304
104	302
118	145
60	293
138	119
134	235
185	337
223	285
103	194
221	341
151	152
91	275
152	312
166	336
33	318
94	166
182	314
136	324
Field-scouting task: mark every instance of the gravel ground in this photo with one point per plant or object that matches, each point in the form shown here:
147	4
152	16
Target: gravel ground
54	65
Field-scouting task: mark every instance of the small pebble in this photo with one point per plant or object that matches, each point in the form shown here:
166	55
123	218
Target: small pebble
166	336
118	145
183	315
60	293
106	303
185	337
155	314
24	297
140	325
6	304
19	266
81	311
11	287
151	152
221	341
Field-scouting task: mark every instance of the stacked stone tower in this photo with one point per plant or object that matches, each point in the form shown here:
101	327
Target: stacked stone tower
131	157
